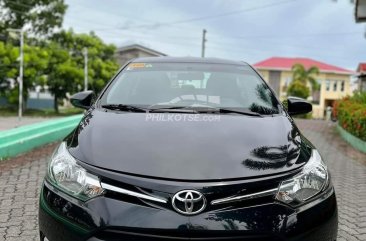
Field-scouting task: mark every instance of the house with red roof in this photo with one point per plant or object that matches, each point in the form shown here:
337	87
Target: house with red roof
335	82
361	76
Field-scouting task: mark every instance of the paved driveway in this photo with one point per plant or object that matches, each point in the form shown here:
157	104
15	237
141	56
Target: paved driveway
20	179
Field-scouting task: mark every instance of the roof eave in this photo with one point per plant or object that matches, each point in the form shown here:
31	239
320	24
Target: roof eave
142	48
288	69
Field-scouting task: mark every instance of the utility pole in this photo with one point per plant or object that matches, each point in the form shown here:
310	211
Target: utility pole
85	52
21	66
20	110
204	40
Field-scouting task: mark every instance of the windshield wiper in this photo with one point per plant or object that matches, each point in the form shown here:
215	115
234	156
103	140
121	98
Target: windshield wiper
204	109
184	109
226	110
124	107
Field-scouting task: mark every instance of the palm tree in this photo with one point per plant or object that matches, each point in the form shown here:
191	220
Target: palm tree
299	73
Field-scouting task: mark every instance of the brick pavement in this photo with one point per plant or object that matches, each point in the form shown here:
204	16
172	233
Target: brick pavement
348	169
21	177
20	181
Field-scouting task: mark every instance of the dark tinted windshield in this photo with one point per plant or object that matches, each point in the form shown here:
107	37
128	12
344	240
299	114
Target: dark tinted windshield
191	85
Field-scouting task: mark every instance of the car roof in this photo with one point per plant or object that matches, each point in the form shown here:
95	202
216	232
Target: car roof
186	60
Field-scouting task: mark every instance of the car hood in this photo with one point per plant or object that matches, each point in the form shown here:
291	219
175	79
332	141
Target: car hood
188	147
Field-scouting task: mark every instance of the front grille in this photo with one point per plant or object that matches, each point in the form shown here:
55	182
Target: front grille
135	194
217	197
234	194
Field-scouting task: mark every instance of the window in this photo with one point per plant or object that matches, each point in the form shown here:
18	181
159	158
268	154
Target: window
335	85
342	85
327	85
363	84
288	81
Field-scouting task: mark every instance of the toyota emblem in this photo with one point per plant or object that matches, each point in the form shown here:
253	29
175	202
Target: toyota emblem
189	202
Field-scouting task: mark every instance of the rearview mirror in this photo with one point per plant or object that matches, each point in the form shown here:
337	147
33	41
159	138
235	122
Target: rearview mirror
297	106
82	99
191	76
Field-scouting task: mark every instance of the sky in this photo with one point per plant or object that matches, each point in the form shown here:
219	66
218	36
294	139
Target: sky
245	30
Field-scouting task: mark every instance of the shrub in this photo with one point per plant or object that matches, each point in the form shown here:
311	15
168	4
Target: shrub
335	108
351	113
298	89
359	97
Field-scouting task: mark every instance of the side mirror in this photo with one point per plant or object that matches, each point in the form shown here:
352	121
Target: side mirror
297	106
82	99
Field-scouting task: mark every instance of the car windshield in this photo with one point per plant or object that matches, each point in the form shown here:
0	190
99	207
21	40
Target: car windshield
191	85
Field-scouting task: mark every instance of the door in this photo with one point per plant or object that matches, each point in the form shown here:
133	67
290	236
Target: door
274	81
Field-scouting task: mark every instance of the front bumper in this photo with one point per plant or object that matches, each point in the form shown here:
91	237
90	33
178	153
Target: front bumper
63	218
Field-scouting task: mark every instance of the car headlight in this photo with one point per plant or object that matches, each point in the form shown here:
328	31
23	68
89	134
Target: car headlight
67	175
311	181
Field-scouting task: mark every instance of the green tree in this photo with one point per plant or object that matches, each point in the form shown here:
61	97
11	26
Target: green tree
66	65
40	16
101	61
8	66
298	89
55	60
299	73
35	63
63	73
58	63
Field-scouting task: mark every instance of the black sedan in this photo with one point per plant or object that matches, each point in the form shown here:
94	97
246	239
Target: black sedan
187	149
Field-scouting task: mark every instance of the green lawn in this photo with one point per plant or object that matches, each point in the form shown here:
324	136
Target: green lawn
10	111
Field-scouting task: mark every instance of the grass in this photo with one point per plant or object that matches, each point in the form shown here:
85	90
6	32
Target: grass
11	111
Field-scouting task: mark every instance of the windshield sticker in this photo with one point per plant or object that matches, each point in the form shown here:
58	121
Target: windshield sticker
138	66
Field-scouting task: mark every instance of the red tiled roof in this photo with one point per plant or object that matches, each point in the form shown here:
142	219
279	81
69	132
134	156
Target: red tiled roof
287	63
361	67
